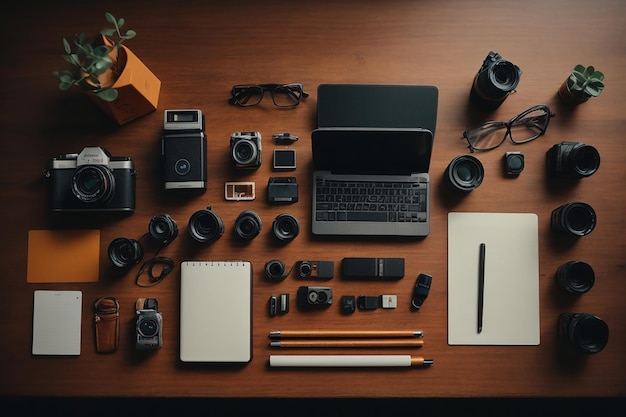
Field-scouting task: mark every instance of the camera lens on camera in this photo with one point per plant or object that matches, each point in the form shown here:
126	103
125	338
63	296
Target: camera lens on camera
495	80
305	269
248	225
286	227
148	327
93	183
464	173
575	219
275	270
586	332
205	226
573	159
124	252
244	152
575	277
163	228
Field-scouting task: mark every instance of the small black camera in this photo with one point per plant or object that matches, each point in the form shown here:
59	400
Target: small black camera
245	149
316	269
282	190
149	324
572	159
495	80
92	180
308	297
184	150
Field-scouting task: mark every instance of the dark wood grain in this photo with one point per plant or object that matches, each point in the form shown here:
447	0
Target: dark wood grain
199	50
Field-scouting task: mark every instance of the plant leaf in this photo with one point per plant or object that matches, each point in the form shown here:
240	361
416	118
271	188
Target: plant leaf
120	22
579	68
66	46
597	75
110	18
130	34
107	32
108	94
588	71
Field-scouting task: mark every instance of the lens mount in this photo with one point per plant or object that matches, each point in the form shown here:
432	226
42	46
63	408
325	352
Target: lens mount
205	226
163	228
93	184
124	252
248	225
464	173
286	227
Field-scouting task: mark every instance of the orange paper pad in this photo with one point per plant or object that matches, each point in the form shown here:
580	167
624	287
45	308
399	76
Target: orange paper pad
63	256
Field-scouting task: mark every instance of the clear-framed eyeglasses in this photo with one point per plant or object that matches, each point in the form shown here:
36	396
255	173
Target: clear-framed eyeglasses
283	95
524	127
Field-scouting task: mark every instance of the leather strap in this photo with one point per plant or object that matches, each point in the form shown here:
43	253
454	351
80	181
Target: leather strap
107	324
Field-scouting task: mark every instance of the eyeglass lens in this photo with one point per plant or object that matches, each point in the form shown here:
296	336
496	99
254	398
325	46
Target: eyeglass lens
282	95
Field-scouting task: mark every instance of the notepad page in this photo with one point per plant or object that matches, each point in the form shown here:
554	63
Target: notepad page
57	322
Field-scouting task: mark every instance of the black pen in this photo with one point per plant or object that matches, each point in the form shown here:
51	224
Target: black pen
481	285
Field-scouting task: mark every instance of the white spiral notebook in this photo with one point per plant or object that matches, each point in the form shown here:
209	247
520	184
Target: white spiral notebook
216	311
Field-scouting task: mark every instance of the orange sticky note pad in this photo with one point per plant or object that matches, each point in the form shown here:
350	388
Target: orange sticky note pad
63	256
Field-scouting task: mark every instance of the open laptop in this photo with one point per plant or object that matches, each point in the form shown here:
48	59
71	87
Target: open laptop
371	181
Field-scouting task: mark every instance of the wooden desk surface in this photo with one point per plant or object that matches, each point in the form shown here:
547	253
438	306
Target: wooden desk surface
199	50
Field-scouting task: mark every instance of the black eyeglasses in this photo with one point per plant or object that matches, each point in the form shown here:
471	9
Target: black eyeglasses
283	95
524	127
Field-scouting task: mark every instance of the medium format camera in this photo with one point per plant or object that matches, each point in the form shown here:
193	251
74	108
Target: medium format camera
92	180
495	80
282	190
245	149
149	324
184	150
308	297
572	159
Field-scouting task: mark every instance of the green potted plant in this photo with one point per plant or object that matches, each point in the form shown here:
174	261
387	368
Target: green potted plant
582	84
110	73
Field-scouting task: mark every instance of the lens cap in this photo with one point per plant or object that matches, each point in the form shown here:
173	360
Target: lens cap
464	173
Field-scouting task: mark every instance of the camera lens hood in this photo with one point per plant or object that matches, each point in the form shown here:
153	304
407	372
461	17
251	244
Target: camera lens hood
205	226
124	252
575	219
464	173
248	225
163	228
286	227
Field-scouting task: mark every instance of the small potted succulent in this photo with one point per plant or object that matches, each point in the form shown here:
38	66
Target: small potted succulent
582	84
110	73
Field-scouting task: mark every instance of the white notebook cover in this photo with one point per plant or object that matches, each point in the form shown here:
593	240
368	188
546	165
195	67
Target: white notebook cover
216	311
511	291
56	322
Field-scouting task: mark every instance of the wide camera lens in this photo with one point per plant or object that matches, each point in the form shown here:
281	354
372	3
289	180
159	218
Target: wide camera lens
575	277
163	228
584	160
244	152
205	226
93	184
575	219
464	173
248	225
124	252
584	331
286	227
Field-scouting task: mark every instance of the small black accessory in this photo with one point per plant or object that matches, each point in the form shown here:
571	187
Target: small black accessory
572	159
315	269
163	228
575	219
369	302
284	138
464	173
286	227
282	190
314	297
372	268
283	303
124	252
585	332
420	290
245	149
284	159
272	305
275	270
283	95
495	80
247	225
348	304
513	163
575	277
167	266
205	226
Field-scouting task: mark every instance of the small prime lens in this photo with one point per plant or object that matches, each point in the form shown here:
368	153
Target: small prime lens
584	160
286	227
464	173
93	184
585	332
163	228
575	277
248	225
205	226
275	270
124	252
575	219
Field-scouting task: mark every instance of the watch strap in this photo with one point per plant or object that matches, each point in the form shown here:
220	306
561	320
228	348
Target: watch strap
107	324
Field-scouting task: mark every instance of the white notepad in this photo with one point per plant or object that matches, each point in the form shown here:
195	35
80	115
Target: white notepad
511	292
56	322
216	311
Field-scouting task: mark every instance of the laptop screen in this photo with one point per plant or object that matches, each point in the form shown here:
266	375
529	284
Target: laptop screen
371	150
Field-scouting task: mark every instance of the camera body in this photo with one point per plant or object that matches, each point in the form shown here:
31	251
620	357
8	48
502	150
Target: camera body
314	297
495	80
572	159
282	190
316	269
149	326
184	150
92	180
245	149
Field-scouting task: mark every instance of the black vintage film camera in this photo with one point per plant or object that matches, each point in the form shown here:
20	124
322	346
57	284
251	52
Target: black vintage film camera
92	180
245	149
149	324
184	150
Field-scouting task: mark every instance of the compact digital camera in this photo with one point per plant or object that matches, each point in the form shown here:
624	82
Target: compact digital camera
245	149
149	324
572	159
92	180
184	150
314	297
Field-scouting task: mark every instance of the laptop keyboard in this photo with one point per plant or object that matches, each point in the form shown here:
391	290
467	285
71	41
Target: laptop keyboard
373	201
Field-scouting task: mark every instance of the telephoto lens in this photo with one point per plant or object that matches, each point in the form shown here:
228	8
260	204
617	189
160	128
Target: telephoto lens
464	173
286	227
125	252
583	331
205	226
575	277
248	225
574	219
163	228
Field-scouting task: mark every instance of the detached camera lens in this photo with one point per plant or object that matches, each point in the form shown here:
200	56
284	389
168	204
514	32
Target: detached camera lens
575	219
286	227
248	225
464	173
275	270
584	331
585	160
205	226
575	277
93	184
163	228
124	252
